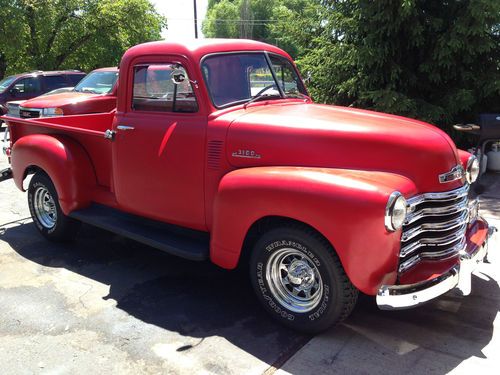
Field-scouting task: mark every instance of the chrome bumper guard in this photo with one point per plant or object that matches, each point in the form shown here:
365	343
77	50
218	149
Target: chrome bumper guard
396	297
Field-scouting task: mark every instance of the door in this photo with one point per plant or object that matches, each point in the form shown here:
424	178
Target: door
25	88
159	147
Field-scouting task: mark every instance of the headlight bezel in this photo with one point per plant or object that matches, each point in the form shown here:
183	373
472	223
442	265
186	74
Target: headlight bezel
472	170
395	199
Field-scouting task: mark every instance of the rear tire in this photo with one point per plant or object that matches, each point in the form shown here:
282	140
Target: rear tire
299	279
46	212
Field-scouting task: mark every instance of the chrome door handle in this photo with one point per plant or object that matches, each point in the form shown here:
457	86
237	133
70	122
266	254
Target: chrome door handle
124	127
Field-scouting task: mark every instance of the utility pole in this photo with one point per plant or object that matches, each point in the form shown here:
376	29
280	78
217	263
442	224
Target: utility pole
195	21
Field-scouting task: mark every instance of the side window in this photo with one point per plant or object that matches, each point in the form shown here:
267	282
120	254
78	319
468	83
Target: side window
154	90
74	78
54	82
286	75
28	86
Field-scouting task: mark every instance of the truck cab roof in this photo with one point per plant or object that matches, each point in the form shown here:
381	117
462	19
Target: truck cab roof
197	48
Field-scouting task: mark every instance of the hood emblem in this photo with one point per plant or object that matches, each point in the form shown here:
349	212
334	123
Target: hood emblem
457	173
248	154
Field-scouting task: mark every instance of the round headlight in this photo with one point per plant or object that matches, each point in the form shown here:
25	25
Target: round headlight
395	211
472	171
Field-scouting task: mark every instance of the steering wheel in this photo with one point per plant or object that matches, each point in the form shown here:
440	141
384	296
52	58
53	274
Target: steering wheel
265	89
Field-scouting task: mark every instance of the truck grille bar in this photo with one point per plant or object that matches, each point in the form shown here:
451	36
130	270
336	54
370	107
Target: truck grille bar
29	113
435	227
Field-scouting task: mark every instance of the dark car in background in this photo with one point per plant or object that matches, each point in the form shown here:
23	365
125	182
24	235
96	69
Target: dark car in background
29	85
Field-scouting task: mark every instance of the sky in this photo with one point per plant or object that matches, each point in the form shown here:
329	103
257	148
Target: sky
180	17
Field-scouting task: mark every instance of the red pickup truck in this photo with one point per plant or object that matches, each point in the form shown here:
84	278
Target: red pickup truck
216	152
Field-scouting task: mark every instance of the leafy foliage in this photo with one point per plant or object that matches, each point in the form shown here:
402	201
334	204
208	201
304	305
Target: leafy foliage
264	20
220	19
72	34
436	61
433	60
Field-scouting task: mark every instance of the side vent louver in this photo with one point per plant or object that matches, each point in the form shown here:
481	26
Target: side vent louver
214	154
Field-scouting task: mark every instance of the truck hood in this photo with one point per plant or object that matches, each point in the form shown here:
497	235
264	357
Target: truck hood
16	102
60	100
315	135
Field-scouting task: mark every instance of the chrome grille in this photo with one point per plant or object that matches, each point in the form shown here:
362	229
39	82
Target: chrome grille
27	113
435	227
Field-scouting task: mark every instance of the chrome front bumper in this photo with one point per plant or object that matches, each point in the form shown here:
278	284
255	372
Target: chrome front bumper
395	297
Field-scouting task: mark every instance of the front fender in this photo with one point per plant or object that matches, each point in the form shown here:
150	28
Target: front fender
346	206
63	159
464	157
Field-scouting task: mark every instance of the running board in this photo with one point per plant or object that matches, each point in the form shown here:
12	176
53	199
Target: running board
184	243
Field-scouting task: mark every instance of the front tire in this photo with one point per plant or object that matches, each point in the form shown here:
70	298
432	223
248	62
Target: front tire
299	279
46	212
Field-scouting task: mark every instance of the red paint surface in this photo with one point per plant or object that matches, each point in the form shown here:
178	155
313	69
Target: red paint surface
330	167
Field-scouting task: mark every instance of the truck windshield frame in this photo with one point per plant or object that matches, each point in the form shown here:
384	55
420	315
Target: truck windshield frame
249	74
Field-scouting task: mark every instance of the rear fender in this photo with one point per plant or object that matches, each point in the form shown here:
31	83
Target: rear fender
346	206
65	162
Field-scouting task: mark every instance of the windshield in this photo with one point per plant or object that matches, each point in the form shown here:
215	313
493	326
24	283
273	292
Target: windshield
97	82
6	83
240	77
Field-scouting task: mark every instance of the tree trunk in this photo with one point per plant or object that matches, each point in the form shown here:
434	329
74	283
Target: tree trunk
3	65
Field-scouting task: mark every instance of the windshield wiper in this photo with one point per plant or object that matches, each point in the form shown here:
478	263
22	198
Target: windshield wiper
262	96
297	95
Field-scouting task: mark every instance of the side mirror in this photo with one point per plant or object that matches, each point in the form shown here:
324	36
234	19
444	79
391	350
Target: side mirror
13	91
178	77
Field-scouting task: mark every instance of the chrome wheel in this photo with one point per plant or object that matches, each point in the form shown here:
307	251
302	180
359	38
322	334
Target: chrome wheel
44	207
294	280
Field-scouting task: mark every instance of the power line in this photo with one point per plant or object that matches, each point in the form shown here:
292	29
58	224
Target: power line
224	20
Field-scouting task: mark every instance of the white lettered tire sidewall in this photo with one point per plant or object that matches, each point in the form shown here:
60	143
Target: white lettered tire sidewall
331	307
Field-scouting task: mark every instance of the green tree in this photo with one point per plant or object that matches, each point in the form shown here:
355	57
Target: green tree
9	33
73	34
296	24
264	20
220	19
436	61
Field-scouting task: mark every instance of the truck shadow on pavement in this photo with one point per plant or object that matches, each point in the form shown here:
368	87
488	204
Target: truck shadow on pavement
200	300
195	299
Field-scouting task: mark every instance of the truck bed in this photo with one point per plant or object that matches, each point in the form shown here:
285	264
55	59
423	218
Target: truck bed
87	129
